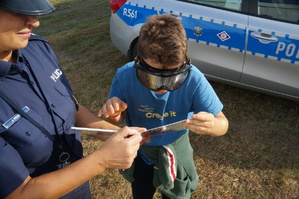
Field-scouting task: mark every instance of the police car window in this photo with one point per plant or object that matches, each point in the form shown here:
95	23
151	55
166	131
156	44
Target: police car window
228	4
287	10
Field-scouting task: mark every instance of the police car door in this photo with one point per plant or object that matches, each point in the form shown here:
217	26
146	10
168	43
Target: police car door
216	32
272	57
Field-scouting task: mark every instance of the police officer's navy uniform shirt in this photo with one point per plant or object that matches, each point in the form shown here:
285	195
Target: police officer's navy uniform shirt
45	94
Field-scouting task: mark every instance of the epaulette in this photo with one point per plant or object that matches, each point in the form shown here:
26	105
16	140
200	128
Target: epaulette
35	37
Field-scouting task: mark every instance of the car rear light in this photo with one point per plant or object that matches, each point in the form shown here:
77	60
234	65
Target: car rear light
116	5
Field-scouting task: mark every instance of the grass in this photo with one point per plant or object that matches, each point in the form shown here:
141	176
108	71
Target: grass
257	158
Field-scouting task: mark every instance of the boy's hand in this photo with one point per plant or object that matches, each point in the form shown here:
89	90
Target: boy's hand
201	123
207	124
112	107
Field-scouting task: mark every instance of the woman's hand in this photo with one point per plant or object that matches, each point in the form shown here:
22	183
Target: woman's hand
120	150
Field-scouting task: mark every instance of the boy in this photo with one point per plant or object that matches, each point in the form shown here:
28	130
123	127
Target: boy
158	88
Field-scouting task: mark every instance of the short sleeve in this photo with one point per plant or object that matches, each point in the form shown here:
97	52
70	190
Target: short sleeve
205	97
12	170
115	89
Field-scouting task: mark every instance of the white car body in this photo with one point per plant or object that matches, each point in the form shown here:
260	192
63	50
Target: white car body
245	43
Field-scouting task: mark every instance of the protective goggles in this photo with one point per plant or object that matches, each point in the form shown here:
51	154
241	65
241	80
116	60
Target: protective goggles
158	79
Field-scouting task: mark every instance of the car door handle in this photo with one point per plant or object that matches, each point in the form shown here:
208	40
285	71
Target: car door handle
263	37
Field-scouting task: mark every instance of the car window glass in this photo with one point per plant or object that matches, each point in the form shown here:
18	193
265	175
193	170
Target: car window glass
287	10
228	4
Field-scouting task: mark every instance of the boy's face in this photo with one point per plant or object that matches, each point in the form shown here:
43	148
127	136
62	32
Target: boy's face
154	77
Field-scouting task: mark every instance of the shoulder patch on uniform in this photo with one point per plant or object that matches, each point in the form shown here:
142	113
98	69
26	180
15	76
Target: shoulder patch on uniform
37	37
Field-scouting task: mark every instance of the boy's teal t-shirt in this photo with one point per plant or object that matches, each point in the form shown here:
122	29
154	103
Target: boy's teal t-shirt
148	109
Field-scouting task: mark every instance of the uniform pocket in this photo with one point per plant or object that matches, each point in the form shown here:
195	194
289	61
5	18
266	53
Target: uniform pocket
23	132
65	105
32	145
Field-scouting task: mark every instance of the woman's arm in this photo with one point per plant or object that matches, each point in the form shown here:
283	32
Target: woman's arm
117	152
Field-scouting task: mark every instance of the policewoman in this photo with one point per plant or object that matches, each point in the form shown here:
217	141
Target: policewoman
40	155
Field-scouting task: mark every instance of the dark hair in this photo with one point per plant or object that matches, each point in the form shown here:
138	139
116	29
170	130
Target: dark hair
162	39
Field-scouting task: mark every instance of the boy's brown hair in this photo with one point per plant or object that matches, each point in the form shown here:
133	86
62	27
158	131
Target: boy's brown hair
162	39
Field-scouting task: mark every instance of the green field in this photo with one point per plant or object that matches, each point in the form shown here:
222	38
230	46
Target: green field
257	158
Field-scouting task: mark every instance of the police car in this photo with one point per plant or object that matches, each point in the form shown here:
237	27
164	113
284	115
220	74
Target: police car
249	43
